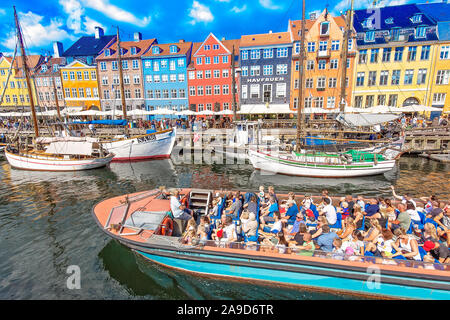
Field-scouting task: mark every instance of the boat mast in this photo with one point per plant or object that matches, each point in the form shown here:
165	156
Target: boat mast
122	93
55	92
300	80
25	70
344	55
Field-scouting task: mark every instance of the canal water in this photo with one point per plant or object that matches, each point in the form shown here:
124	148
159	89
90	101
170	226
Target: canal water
46	226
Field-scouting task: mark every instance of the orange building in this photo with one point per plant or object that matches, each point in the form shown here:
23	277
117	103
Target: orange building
323	65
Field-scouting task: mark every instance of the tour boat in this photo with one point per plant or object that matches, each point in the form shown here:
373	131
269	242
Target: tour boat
59	155
156	145
142	222
2	150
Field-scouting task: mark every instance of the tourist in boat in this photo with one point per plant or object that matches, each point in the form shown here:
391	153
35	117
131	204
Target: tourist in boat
405	246
343	209
372	209
360	202
272	193
411	210
205	223
190	233
383	245
215	206
429	233
250	226
278	242
267	212
289	201
297	238
164	194
357	215
229	231
337	252
350	203
296	225
329	211
404	198
306	203
262	195
387	212
347	229
374	231
235	207
321	221
276	227
403	219
325	240
251	205
437	251
356	243
179	211
325	195
307	248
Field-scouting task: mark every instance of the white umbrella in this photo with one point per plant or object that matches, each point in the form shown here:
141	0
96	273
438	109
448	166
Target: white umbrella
225	112
205	113
419	108
185	113
87	113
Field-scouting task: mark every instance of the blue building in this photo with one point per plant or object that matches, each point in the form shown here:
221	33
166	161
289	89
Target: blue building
265	79
165	76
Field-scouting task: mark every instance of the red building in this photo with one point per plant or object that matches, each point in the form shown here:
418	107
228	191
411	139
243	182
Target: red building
209	74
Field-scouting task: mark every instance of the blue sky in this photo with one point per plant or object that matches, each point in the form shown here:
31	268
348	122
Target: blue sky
167	20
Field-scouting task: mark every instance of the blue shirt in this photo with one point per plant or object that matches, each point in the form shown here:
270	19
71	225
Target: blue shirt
325	241
372	209
296	225
273	207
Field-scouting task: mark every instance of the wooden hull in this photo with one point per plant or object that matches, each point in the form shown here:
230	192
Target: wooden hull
157	145
276	164
49	163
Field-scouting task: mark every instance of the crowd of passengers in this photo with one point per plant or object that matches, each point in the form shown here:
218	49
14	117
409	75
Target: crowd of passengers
350	229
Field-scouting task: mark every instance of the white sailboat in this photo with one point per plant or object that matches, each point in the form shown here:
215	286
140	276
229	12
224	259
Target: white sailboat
352	163
53	154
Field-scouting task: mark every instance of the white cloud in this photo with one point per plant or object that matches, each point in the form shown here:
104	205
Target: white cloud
344	5
269	5
35	33
200	13
77	20
115	12
239	10
2	12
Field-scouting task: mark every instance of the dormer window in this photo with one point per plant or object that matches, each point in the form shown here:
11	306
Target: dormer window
207	47
133	50
324	28
395	33
416	18
389	20
55	67
420	32
173	49
44	68
367	23
122	51
155	50
215	47
369	36
107	53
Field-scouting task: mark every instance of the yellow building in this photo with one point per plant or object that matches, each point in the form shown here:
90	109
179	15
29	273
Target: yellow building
440	90
395	61
80	85
16	95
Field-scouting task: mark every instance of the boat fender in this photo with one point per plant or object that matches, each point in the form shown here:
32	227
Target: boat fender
167	227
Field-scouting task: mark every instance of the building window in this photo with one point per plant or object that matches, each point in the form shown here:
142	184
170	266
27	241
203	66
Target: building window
254	54
208	90
215	47
181	77
164	78
125	65
225	89
398	56
360	79
395	34
442	76
136	79
335	45
199	61
172	65
381	100
445	52
244	54
268	53
439	99
102	66
362	56
421	32
105	80
331	102
64	74
322	64
425	54
281	90
254	91
311	47
148	78
157	78
281	68
386	55
199	74
392	100
358	101
372	79
180	62
116	80
324	28
126	79
308	102
374	55
88	93
310	65
416	18
216	60
384	75
268	70
408	76
254	71
224	59
333	63
422	76
173	93
412	51
93	75
225	73
182	93
155	66
318	102
369	101
74	93
191	75
207	74
86	75
332	82
81	92
192	91
282	52
369	36
309	83
244	92
67	92
395	77
321	81
199	90
244	71
173	78
207	60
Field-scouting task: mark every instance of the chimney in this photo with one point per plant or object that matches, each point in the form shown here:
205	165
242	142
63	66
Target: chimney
313	15
137	36
223	39
99	32
181	40
57	49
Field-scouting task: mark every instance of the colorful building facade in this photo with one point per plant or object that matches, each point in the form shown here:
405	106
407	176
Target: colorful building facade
47	81
109	79
266	64
210	74
396	46
324	40
165	76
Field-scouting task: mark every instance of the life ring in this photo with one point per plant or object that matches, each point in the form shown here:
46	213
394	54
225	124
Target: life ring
166	227
185	202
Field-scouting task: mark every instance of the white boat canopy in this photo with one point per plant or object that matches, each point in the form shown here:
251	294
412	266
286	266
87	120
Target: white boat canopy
70	147
365	119
264	109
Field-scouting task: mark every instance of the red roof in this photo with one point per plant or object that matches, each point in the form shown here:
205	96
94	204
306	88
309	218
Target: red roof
142	46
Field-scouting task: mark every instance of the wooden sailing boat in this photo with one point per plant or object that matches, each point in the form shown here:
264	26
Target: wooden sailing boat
351	163
155	145
53	154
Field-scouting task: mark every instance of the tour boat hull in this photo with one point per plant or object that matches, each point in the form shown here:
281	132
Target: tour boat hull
156	145
284	165
49	163
250	263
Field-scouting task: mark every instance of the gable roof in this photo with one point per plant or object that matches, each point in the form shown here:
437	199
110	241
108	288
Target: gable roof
182	49
265	39
141	45
33	61
88	46
440	12
50	62
215	38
